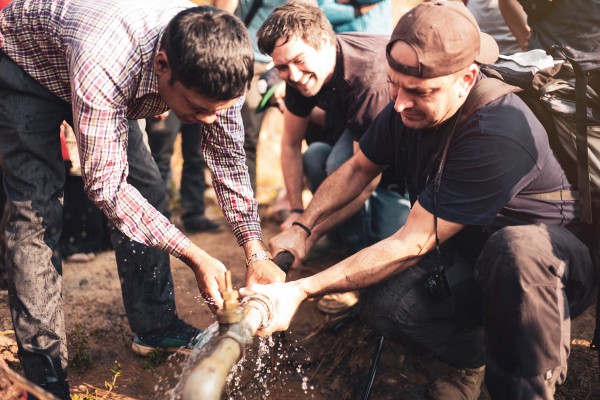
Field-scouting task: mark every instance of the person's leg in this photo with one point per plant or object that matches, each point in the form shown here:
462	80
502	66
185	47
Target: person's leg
33	173
314	160
355	232
193	184
389	210
161	139
252	123
3	276
534	279
402	309
146	281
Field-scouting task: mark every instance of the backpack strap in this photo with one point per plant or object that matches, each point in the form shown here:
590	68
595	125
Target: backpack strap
583	171
484	92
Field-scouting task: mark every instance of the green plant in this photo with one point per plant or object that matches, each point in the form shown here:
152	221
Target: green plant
156	358
116	372
79	347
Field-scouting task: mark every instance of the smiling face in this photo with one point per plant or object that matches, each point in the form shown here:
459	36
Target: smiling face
425	103
187	104
302	66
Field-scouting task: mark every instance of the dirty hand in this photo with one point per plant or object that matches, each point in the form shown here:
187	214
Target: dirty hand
264	272
292	240
210	275
286	298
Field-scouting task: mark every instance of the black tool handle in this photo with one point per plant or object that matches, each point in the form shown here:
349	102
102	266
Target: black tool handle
284	260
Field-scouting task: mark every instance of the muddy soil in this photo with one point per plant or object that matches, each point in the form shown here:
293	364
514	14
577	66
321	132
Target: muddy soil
309	361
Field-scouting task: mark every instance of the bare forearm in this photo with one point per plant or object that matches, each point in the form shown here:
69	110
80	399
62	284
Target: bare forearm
365	268
337	191
291	165
516	20
346	212
385	258
227	5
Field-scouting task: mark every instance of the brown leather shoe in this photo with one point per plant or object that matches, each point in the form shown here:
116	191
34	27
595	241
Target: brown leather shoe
460	384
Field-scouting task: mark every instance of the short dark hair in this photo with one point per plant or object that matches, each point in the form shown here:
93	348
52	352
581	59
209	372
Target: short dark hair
210	52
295	19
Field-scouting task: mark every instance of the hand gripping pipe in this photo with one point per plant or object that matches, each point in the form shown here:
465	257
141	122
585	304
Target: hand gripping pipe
237	326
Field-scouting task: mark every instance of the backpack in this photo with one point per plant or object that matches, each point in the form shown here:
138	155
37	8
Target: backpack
569	110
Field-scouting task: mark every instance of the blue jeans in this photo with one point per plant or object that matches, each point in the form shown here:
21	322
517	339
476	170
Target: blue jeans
384	212
34	177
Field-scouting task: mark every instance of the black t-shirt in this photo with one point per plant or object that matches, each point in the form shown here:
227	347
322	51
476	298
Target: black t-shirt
495	157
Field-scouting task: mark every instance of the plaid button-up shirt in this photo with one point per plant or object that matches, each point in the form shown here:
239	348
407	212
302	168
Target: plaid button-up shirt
98	55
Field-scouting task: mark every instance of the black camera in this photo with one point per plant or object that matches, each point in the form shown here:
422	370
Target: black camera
437	285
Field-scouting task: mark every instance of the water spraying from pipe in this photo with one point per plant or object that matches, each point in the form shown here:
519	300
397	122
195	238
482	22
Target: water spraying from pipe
237	325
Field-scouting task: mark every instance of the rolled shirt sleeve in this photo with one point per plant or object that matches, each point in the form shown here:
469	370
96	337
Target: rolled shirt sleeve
101	127
223	149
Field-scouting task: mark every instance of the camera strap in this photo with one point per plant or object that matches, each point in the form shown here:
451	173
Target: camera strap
438	176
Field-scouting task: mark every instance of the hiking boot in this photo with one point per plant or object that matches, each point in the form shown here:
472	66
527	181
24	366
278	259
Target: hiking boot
337	303
460	384
179	336
200	224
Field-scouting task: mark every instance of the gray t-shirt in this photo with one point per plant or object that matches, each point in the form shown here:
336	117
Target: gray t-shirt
358	89
490	20
574	23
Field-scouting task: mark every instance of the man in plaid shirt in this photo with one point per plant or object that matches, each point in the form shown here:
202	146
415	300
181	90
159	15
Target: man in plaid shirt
98	64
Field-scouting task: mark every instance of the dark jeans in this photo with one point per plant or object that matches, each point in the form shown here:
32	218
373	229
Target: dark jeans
161	138
3	278
34	177
252	123
530	281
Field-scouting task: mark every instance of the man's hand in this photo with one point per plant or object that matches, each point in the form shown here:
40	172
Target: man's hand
264	272
287	224
292	240
161	117
210	275
286	298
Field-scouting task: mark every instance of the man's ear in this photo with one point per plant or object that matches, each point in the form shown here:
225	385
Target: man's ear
325	40
161	63
468	78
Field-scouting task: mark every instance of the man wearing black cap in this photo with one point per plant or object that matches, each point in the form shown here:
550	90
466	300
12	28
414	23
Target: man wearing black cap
487	245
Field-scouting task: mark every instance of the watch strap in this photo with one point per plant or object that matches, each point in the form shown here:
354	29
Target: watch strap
258	256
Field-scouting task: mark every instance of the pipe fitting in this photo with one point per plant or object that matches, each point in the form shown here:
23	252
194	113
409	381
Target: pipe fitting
263	305
237	325
231	313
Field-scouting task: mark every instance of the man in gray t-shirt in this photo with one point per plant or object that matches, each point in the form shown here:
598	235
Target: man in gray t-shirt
345	76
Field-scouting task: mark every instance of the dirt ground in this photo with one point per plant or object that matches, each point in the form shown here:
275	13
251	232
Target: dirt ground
318	358
314	362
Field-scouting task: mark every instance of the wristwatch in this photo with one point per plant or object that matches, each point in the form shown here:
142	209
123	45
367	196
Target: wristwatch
258	256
